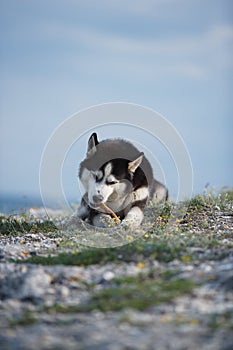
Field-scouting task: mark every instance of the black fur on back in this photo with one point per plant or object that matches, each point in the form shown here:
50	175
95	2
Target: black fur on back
123	151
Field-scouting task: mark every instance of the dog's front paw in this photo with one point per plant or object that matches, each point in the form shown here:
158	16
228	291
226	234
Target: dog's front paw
104	220
133	219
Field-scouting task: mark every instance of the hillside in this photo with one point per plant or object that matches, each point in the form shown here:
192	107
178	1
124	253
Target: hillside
169	289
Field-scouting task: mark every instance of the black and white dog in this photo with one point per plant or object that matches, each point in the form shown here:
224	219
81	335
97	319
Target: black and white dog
116	174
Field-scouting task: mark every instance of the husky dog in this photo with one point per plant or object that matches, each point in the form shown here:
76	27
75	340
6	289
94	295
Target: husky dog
116	174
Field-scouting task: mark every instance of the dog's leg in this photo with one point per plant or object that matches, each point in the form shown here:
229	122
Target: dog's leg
133	218
83	210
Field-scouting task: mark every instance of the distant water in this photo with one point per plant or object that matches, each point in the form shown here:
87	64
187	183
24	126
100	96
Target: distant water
18	204
10	204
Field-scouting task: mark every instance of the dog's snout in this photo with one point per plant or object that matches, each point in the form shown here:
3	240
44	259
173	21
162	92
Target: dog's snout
98	198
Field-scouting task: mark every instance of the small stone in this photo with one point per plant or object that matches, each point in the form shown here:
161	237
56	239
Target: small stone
34	284
187	268
207	268
24	269
216	207
108	275
64	291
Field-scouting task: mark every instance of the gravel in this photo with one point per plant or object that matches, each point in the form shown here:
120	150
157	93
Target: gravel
32	298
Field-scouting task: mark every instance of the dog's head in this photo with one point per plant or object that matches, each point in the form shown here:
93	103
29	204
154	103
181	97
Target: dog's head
110	181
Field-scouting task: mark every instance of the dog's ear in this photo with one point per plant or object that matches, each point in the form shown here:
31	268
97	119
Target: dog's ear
92	143
132	166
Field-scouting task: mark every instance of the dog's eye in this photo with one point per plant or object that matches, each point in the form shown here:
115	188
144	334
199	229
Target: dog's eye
111	182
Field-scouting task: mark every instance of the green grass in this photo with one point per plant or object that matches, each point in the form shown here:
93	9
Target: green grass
164	248
139	293
142	249
136	294
202	228
11	225
27	318
211	200
197	229
87	257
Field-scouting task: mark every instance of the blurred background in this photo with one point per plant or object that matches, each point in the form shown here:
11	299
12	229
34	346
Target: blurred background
58	57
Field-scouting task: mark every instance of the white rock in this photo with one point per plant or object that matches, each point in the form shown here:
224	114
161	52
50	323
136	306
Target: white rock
34	284
108	275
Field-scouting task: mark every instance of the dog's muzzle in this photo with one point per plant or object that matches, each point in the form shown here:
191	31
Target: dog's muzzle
97	199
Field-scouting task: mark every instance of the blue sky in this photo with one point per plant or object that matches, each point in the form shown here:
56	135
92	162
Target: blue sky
58	57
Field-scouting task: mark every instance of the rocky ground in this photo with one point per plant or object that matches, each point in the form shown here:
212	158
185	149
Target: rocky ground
166	290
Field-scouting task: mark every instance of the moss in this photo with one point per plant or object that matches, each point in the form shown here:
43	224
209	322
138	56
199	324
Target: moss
142	249
87	257
137	293
164	248
27	318
210	200
11	225
224	320
140	293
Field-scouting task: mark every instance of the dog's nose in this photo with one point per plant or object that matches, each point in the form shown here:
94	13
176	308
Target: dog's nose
98	198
